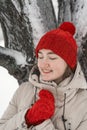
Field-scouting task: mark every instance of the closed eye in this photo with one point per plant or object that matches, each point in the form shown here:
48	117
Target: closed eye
40	57
53	58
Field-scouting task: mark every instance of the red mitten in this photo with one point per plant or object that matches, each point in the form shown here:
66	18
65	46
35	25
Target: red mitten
42	109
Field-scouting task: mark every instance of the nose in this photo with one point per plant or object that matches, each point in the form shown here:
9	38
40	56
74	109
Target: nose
45	63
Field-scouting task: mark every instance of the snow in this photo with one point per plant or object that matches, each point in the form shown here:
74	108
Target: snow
8	85
55	4
18	56
33	12
80	18
1	35
17	5
1	42
35	18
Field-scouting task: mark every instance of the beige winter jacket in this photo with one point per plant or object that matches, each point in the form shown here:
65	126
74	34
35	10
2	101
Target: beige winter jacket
72	107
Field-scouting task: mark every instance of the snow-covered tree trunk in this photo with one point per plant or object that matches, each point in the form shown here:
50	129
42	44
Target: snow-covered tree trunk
23	23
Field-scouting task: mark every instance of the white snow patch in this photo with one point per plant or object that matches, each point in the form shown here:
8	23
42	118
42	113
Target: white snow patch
2	43
17	5
55	5
19	57
1	34
32	10
8	85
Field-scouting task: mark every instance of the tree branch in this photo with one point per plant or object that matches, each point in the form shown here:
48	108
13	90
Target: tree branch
15	63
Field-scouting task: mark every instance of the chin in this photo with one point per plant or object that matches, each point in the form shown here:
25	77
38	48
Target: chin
46	79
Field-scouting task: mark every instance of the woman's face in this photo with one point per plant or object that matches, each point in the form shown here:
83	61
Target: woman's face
51	66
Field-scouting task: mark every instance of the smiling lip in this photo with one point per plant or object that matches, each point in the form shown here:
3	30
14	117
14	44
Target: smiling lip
46	71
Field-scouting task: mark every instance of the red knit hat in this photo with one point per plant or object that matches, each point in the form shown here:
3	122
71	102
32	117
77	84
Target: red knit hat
61	42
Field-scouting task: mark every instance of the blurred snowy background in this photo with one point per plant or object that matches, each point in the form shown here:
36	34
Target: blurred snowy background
8	84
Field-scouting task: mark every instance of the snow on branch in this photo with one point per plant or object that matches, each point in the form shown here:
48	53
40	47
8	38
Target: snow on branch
19	57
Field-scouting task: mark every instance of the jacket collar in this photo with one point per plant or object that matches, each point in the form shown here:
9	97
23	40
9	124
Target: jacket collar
78	81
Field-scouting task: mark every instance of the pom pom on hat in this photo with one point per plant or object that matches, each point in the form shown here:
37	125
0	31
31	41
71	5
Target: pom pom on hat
61	42
69	27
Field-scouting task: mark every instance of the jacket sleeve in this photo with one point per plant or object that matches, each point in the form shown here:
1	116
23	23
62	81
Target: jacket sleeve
83	124
12	119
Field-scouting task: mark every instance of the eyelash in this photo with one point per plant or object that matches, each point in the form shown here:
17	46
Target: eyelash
49	58
40	57
53	58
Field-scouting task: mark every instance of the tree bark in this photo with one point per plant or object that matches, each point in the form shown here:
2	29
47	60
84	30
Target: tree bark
23	23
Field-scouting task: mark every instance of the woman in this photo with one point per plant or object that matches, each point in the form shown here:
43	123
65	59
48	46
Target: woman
55	98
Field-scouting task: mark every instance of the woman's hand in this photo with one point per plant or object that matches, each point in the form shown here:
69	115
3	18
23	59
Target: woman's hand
42	109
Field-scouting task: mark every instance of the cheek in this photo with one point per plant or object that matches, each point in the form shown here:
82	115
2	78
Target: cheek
39	64
60	68
59	72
